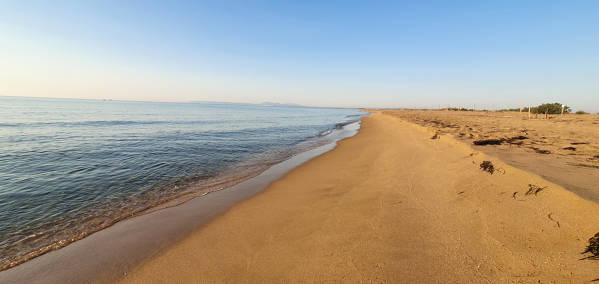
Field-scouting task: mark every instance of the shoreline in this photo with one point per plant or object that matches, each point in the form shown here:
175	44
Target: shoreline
121	248
112	161
390	204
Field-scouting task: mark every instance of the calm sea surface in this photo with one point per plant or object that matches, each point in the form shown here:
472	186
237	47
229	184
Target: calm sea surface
72	167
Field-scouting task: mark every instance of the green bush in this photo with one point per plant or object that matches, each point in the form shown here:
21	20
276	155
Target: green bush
581	112
460	109
554	108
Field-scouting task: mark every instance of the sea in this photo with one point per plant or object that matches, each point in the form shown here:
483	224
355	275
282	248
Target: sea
71	167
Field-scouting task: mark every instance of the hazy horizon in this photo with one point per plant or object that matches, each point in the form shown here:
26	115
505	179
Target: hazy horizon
333	54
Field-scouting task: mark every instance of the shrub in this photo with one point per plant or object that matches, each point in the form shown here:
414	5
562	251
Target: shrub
554	108
459	109
581	112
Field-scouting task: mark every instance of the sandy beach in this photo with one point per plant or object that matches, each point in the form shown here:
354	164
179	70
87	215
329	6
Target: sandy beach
393	205
562	149
299	142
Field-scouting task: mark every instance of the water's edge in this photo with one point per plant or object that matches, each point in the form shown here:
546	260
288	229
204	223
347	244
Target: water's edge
107	255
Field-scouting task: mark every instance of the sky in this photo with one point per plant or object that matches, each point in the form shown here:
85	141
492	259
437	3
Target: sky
416	54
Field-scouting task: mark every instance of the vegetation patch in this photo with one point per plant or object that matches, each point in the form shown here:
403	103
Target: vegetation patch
459	109
550	108
554	108
487	166
593	246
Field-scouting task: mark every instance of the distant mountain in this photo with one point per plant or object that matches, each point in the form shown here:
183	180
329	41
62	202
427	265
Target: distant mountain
279	104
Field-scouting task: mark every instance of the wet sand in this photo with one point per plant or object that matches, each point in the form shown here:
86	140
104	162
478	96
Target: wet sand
108	255
391	205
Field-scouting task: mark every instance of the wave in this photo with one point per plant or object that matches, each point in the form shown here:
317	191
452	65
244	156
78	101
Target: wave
324	133
37	242
102	176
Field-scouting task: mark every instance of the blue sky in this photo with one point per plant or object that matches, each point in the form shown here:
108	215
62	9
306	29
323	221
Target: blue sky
334	53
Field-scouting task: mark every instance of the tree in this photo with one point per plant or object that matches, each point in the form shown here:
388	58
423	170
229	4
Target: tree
554	108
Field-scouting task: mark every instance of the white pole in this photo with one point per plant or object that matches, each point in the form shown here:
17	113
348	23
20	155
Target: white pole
528	113
521	107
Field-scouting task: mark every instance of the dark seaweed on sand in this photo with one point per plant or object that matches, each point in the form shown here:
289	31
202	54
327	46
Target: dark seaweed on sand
487	166
534	189
515	138
511	140
488	142
593	246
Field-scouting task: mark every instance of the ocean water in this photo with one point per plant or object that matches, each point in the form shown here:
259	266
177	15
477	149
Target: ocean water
69	168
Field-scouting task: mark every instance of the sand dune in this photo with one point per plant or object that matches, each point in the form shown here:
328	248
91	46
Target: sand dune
562	149
391	205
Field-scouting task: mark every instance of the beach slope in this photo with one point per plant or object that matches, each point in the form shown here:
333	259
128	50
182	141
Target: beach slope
391	204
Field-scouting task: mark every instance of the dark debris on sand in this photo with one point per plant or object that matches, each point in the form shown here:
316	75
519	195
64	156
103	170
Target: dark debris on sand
534	189
485	142
540	151
487	166
516	139
593	247
512	140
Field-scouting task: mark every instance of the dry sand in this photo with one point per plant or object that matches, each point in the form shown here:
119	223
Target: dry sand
562	149
391	205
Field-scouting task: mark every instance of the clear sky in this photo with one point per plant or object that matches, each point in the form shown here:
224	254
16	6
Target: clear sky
325	53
